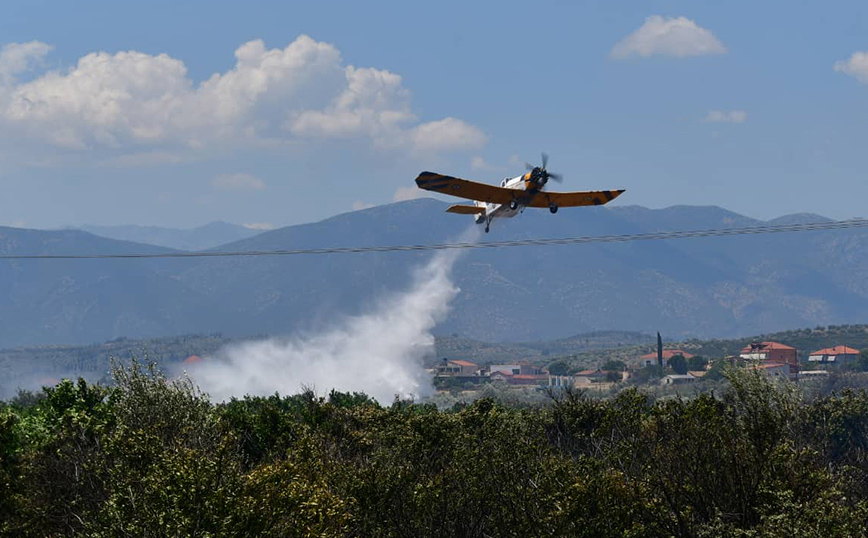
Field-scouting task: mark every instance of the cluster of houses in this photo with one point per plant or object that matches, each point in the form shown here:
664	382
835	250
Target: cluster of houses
770	358
773	359
520	373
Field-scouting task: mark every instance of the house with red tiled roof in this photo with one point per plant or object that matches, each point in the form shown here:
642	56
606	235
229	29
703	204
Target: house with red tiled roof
592	374
457	368
836	354
508	368
769	351
519	368
529	379
501	376
677	379
775	370
530	369
772	353
504	376
650	359
587	377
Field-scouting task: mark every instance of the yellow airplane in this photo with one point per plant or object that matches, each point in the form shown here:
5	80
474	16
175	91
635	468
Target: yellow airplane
513	194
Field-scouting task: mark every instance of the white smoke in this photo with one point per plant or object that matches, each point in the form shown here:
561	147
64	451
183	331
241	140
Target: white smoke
379	353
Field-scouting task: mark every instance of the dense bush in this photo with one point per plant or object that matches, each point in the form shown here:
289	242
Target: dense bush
149	456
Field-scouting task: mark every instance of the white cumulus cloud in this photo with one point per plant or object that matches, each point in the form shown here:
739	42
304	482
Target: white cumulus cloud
374	102
301	92
446	135
856	66
720	116
16	58
673	36
238	182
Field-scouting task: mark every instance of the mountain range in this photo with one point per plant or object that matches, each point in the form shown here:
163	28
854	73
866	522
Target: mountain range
204	237
701	287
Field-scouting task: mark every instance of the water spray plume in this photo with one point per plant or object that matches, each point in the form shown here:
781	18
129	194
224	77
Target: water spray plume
379	352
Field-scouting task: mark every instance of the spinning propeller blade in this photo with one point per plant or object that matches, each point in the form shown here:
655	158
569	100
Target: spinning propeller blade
540	174
545	175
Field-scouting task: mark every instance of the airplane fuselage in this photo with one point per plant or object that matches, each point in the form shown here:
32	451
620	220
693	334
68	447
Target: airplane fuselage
527	189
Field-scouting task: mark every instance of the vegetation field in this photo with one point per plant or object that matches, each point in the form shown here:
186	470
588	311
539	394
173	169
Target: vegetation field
146	456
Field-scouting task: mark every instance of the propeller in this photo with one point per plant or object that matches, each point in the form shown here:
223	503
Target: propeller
541	174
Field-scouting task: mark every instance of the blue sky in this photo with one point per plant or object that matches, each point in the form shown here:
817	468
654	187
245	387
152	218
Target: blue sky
117	113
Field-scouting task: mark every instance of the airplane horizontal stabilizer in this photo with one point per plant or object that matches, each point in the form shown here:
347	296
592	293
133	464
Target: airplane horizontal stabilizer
465	209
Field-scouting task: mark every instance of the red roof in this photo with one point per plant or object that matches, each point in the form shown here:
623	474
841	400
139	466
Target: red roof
501	372
192	359
766	346
769	365
837	350
596	373
464	363
667	354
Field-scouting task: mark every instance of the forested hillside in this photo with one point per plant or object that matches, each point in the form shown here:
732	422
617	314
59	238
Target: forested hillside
805	340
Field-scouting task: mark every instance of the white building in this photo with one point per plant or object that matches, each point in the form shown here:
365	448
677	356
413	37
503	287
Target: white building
677	379
837	354
776	370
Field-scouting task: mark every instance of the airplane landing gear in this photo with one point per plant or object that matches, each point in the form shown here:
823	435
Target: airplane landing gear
553	208
513	205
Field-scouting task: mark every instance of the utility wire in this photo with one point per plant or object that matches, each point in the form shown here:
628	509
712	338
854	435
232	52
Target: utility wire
718	232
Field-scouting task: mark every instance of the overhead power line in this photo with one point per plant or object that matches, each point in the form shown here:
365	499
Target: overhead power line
621	238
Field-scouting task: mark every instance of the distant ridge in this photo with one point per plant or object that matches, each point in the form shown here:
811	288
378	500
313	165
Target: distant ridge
204	237
805	340
799	218
690	288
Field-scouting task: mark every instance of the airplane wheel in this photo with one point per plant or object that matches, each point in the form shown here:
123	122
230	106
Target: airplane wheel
486	228
553	208
513	205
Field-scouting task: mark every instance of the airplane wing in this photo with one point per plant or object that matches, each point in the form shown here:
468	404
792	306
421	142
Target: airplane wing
573	199
467	189
499	195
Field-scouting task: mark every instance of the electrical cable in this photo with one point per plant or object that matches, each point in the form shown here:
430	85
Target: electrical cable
717	232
